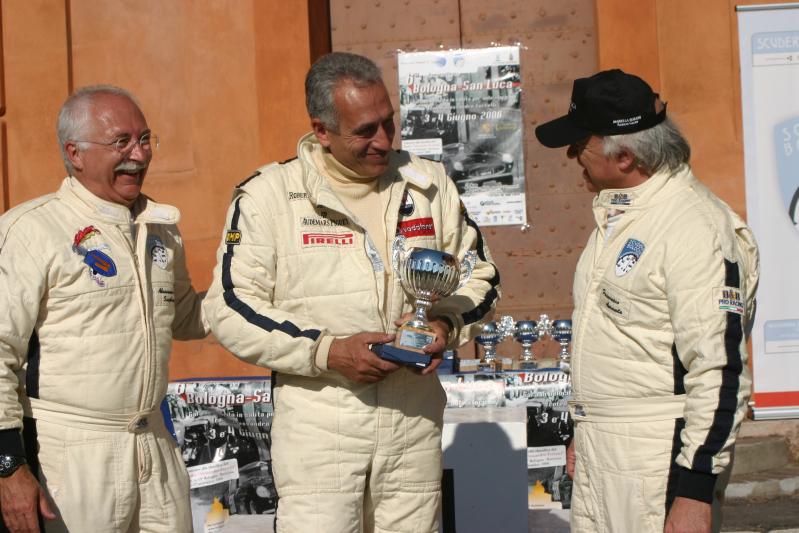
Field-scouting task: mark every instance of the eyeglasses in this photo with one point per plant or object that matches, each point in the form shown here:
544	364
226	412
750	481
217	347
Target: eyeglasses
125	144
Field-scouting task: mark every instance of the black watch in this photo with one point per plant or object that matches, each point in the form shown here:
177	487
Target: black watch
10	463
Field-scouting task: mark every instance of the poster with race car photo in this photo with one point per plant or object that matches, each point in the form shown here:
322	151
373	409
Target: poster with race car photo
463	107
545	392
222	428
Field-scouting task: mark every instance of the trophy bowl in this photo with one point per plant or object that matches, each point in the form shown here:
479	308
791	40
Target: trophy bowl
526	333
427	276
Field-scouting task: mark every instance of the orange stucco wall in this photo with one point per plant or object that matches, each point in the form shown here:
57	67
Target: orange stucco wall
219	81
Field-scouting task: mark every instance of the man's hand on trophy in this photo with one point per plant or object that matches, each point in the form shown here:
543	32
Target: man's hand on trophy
352	358
441	328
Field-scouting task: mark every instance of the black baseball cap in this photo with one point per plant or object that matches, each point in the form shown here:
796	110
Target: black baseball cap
610	102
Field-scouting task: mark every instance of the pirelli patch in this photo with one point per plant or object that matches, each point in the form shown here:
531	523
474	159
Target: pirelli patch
328	239
729	299
233	236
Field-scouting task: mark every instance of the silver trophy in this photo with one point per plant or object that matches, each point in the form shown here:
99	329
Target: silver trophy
427	276
562	332
526	333
488	338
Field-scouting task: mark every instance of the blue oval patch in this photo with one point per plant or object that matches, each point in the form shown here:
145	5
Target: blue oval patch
100	263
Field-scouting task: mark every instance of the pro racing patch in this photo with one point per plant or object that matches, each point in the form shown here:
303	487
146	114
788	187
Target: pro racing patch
621	198
417	227
728	299
629	256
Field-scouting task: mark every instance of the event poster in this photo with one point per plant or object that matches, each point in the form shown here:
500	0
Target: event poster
222	428
463	108
545	394
769	54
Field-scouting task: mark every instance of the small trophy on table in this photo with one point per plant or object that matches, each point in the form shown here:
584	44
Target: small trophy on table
427	276
488	338
526	333
562	332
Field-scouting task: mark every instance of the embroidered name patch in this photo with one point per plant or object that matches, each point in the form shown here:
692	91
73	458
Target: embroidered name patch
629	256
418	227
613	302
728	299
164	296
233	237
328	239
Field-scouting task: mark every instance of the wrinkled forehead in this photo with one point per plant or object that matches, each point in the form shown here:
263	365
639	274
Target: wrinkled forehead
114	113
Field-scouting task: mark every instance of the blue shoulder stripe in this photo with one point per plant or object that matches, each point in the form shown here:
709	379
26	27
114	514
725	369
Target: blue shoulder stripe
724	415
470	317
249	314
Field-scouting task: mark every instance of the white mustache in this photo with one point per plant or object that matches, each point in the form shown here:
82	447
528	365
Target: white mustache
130	167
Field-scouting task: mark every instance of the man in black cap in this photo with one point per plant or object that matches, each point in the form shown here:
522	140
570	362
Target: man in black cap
663	294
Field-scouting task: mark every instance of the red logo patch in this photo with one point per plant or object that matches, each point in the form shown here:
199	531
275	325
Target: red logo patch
327	239
418	227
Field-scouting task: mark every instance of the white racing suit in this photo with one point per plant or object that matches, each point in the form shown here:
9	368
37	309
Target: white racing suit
659	375
294	268
92	299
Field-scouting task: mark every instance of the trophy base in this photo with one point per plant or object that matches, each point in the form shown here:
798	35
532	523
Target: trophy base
414	339
489	366
389	352
528	365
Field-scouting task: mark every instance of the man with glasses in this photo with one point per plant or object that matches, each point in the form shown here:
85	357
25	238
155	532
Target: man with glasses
663	295
93	288
304	286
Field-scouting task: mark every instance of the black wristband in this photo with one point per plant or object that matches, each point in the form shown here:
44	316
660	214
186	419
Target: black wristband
11	442
696	485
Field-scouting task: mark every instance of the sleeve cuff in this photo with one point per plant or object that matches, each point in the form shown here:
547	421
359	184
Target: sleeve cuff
322	351
696	485
11	442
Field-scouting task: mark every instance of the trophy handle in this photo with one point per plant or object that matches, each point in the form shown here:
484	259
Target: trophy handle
467	266
397	251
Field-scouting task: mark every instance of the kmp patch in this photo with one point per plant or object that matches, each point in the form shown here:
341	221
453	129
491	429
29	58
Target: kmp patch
233	236
418	227
621	198
728	299
158	252
629	256
407	206
328	239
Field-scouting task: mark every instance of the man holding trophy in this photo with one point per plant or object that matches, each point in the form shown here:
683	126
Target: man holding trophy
322	258
663	295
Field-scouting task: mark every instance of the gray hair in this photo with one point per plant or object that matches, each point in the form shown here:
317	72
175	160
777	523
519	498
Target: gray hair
326	73
657	148
74	115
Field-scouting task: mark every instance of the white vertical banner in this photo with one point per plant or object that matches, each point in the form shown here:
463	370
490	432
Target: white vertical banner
769	55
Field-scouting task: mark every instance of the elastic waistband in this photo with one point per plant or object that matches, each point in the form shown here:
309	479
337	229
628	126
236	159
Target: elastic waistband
66	415
628	409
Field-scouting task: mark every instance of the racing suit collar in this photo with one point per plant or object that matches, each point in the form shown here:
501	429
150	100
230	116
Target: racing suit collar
640	196
144	210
